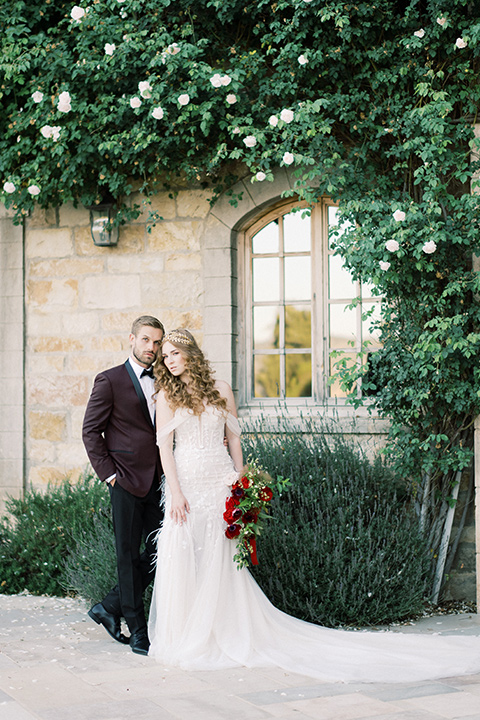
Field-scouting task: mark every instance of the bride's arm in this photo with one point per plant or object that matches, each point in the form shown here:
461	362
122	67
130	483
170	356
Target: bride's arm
234	444
179	505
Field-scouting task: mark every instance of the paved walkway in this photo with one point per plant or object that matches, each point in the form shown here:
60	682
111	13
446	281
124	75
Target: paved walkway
56	664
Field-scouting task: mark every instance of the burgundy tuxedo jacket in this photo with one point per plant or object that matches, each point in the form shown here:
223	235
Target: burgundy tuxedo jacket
118	435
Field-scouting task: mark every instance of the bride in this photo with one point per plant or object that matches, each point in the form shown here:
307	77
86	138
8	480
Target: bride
205	613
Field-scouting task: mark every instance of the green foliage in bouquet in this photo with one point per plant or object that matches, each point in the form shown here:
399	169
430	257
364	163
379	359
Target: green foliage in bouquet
37	536
342	547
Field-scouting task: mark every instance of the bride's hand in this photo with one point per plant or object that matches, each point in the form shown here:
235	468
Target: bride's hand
180	508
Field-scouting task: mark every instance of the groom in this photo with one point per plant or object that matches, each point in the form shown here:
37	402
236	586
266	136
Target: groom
119	437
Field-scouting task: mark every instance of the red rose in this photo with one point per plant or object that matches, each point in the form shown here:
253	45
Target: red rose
231	503
265	494
232	531
237	492
231	516
250	517
245	482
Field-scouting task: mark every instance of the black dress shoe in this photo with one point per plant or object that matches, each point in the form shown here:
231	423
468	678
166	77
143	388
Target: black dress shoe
139	642
110	622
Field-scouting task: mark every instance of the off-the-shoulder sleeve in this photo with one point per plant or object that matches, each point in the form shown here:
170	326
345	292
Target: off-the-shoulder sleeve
163	432
233	424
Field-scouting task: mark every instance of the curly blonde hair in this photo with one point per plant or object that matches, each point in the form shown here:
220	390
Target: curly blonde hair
201	383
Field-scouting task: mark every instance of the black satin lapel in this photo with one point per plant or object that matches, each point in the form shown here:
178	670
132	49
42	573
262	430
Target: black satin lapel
139	391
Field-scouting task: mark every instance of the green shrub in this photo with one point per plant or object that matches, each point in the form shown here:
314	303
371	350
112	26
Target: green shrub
90	569
342	547
36	537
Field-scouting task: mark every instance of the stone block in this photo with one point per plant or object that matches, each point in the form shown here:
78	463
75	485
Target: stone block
49	344
218	292
10	415
40	364
190	319
216	234
59	391
229	214
11	308
70	455
39	477
162	203
114	291
178	262
109	343
56	294
144	263
70	216
120	322
41	452
80	323
263	192
11	256
41	218
217	263
218	348
45	425
12	285
12	392
12	337
71	267
179	290
9	369
169	236
218	319
11	445
48	243
193	203
131	240
41	323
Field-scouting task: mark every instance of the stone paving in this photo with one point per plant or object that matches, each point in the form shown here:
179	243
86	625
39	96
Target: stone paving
56	664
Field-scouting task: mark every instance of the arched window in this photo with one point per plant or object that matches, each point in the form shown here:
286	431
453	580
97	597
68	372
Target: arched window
296	312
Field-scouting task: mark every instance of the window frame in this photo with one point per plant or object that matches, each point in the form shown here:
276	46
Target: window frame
320	304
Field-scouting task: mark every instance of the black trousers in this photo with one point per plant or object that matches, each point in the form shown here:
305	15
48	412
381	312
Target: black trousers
134	519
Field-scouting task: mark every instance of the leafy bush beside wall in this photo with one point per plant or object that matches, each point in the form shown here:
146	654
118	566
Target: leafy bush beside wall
342	547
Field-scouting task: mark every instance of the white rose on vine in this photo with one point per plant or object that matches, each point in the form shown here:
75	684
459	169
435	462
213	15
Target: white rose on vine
429	247
287	116
392	245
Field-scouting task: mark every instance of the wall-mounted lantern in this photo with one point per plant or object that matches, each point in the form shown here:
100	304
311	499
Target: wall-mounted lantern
104	233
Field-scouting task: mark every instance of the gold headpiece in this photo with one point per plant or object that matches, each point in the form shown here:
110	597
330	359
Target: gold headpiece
177	337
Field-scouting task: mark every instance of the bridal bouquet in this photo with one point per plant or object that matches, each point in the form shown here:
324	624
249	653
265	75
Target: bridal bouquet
247	508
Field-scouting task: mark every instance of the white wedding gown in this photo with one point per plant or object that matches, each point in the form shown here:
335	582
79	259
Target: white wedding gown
206	614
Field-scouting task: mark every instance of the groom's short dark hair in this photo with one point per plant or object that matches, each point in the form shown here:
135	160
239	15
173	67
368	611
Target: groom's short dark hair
146	320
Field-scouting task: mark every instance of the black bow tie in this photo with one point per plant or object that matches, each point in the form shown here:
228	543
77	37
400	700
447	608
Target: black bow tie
148	372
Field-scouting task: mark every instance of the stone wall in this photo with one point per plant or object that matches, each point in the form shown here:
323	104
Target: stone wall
80	303
12	391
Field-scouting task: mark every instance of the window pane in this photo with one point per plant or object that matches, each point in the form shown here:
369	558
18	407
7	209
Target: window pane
266	373
340	281
298	370
298	282
296	232
349	359
266	240
266	322
298	326
343	325
334	226
266	285
367	334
